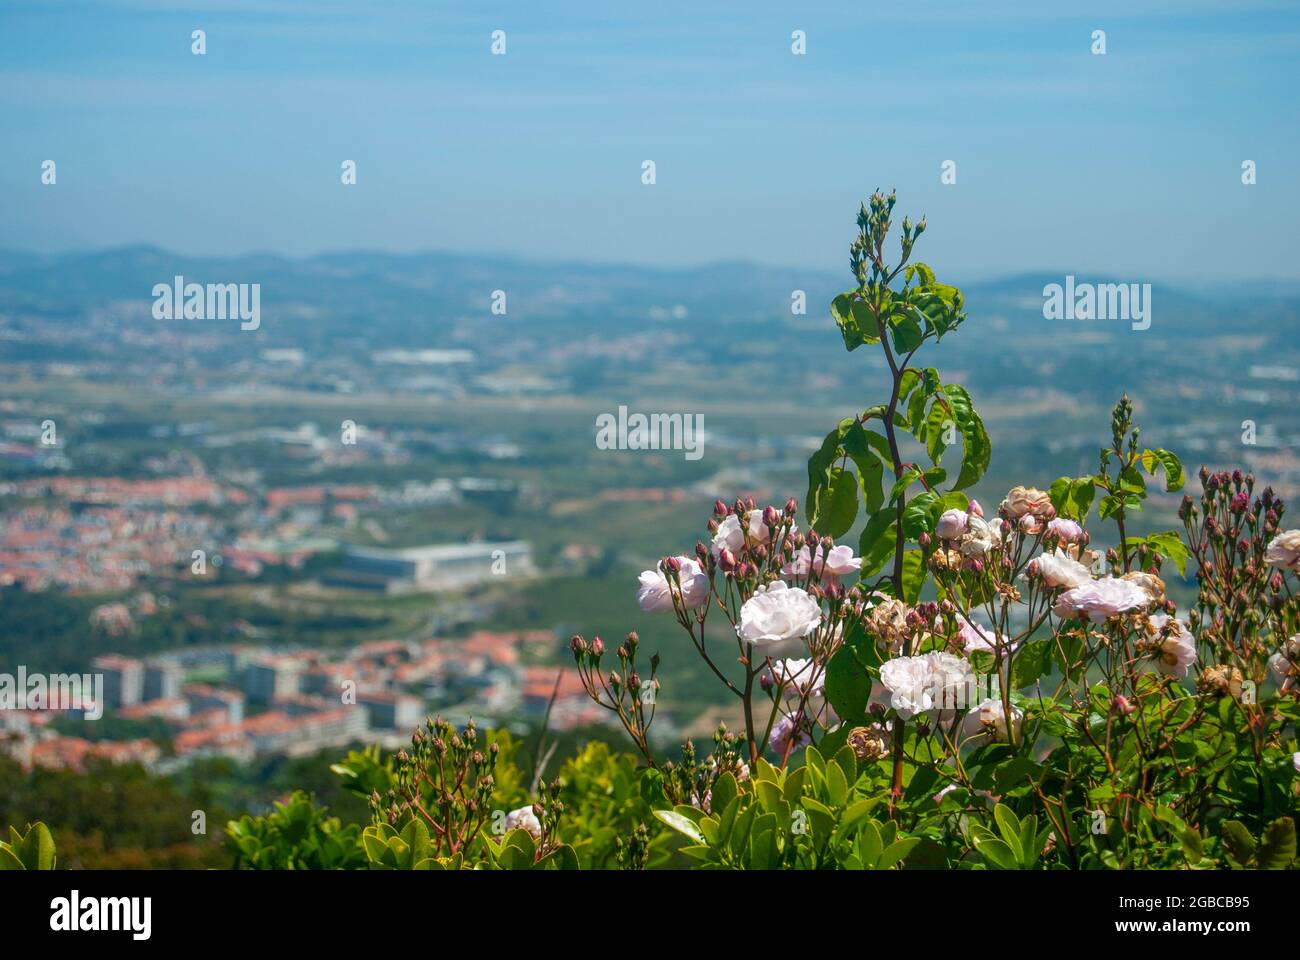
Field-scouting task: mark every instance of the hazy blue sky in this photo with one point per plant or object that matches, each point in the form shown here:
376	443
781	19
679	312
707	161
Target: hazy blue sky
1128	163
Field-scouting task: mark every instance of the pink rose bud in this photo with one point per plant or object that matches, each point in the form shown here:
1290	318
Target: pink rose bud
765	682
1032	569
577	645
924	539
670	565
597	646
750	503
974	509
726	560
770	517
1122	705
719	508
791	507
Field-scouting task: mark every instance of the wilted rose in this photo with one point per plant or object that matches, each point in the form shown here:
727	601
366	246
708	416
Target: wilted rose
1027	501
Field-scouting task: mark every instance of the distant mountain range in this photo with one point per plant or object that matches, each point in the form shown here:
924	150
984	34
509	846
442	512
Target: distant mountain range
387	289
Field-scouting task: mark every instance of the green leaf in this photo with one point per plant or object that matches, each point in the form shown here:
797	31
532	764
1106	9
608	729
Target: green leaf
906	332
1009	825
1173	467
847	684
1073	498
1238	843
876	544
995	851
921	514
976	448
8	860
837	785
1170	545
1030	662
1277	849
38	848
1193	848
896	852
836	507
681	824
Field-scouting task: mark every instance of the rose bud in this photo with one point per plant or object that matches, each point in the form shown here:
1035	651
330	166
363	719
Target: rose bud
597	646
670	565
726	560
791	507
974	509
770	517
765	682
1122	705
719	508
577	645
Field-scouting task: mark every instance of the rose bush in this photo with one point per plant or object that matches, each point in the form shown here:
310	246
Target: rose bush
946	689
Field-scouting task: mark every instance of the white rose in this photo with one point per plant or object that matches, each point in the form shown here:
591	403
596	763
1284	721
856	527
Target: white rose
988	721
1099	600
777	618
919	684
729	535
524	819
981	537
656	593
801	679
1178	650
1284	550
1060	570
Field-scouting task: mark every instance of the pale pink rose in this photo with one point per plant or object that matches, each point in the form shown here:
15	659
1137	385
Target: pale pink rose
1284	550
758	531
838	561
1177	650
1060	570
1099	600
988	721
952	524
977	638
777	618
729	536
524	819
801	680
1067	531
656	593
789	733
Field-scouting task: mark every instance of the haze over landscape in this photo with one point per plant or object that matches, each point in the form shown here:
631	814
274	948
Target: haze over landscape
389	476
